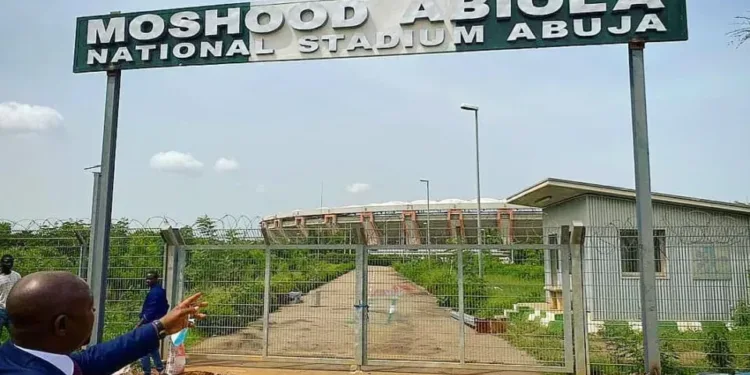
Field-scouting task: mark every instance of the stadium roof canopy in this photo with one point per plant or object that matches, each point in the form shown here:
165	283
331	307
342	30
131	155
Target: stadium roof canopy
398	206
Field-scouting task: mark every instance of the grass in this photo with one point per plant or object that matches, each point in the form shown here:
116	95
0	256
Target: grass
502	286
543	343
615	350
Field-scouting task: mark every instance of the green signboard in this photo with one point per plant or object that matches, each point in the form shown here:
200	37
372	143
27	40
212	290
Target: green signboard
244	32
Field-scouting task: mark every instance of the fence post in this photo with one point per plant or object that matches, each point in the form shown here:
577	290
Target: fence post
461	306
580	346
82	253
360	350
564	259
266	292
174	262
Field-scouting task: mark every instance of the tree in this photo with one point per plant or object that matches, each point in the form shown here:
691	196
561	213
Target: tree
741	34
205	227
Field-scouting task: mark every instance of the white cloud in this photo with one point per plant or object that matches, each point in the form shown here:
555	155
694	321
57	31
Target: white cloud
357	187
260	189
27	118
226	165
173	161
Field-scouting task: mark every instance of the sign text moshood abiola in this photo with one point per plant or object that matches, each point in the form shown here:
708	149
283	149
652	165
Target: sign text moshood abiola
245	32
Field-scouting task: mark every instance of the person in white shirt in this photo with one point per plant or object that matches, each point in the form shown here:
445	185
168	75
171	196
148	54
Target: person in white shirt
8	278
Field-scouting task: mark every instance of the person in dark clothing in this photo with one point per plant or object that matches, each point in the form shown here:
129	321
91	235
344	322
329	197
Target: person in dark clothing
154	307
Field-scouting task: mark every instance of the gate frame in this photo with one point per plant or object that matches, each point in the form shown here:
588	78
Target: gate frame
575	353
573	314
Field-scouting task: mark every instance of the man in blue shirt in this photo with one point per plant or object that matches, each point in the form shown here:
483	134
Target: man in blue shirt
51	317
154	307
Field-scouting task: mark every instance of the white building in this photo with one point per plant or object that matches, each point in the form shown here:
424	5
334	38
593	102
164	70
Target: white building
702	250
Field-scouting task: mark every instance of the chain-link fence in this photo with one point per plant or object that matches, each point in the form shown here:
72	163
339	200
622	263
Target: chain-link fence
133	253
702	293
64	248
329	295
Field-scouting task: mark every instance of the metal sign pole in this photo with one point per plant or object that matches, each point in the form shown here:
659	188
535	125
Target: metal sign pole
100	250
644	210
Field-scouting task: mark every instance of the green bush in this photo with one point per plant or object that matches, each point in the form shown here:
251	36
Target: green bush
718	352
741	314
624	347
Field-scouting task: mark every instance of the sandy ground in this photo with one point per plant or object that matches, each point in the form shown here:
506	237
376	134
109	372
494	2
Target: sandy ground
418	329
225	369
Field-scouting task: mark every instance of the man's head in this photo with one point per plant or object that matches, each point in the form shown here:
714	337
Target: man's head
51	312
152	278
6	264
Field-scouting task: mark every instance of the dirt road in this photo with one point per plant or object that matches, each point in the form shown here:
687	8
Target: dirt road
416	328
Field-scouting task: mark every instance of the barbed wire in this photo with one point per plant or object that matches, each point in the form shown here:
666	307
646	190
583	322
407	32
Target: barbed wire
697	227
226	222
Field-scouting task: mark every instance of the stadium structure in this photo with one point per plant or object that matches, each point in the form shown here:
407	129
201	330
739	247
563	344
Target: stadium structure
405	223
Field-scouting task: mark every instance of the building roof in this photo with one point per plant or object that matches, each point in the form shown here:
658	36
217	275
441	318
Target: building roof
553	191
398	206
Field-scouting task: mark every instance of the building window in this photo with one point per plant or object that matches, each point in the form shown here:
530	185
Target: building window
711	263
629	250
552	239
554	258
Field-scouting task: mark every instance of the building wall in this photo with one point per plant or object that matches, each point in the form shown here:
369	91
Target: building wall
554	218
682	294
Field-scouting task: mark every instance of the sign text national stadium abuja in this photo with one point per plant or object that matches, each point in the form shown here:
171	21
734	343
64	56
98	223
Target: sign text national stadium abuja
328	29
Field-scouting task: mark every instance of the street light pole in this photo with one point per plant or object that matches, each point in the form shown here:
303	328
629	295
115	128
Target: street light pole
475	109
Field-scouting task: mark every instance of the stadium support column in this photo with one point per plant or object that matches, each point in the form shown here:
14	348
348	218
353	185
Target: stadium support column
371	230
410	227
301	225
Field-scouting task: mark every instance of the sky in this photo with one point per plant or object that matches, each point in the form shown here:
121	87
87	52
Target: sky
259	139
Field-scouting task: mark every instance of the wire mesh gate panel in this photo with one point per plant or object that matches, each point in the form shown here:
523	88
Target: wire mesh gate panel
312	303
274	301
231	279
416	295
409	321
381	305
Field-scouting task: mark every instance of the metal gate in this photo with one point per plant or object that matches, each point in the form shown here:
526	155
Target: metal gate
447	306
467	306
